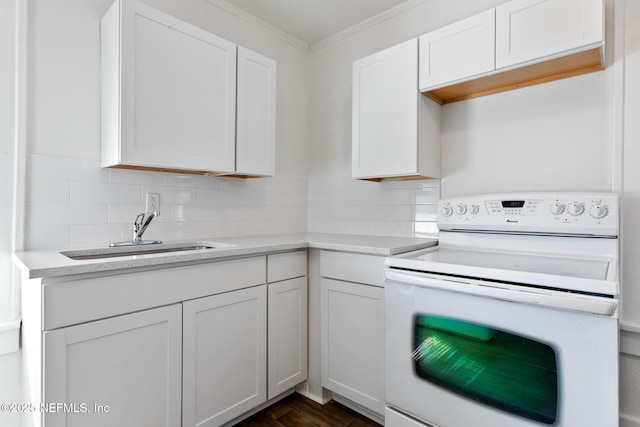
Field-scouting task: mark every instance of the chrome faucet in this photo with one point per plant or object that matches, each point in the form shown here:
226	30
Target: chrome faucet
140	225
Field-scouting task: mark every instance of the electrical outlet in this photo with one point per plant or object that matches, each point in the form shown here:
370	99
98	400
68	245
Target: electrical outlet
153	202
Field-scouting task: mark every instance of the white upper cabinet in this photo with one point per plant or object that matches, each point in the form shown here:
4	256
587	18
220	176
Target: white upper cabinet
256	124
168	91
531	29
458	51
169	97
536	41
395	130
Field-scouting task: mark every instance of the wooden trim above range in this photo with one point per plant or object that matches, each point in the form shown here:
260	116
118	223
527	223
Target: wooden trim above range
583	62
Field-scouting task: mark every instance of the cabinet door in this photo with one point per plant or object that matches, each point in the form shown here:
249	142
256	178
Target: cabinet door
126	370
225	356
458	52
287	334
385	113
352	339
256	110
532	29
178	93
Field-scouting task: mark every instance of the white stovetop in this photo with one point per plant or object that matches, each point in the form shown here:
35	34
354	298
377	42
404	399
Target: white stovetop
569	263
593	268
51	263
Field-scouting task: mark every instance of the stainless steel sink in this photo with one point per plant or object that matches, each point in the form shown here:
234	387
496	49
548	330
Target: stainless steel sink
88	254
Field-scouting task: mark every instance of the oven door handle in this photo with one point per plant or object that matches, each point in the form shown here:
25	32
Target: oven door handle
573	302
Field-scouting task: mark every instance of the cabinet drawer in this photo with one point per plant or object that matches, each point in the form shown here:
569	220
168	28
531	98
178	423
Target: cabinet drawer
350	267
286	266
83	300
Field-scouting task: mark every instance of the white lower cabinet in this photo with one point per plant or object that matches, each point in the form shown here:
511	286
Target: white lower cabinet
184	346
287	335
225	356
353	342
287	313
352	328
122	371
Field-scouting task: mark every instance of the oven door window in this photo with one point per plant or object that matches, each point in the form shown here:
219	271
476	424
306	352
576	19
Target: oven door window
509	372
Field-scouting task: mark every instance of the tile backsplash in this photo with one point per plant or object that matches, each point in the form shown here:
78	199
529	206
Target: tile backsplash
400	208
75	203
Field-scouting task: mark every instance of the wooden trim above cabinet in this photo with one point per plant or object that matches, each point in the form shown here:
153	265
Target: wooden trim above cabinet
158	169
185	171
583	62
399	178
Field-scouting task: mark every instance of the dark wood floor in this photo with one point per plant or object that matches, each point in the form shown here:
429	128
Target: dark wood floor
298	411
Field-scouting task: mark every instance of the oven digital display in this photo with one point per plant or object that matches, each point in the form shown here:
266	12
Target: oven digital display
513	203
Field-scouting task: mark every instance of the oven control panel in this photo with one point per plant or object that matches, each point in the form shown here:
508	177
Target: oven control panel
538	213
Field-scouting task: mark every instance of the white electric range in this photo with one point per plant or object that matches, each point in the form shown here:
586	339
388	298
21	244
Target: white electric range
512	320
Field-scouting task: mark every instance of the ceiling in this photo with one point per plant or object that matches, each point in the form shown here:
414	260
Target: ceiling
314	20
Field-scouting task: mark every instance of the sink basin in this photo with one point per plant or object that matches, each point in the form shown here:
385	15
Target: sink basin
88	254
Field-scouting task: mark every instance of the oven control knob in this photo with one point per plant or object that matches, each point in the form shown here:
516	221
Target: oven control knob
598	211
474	209
461	208
557	208
575	208
447	211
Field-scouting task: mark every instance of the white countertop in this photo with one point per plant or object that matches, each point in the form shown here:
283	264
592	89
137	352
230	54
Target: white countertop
43	264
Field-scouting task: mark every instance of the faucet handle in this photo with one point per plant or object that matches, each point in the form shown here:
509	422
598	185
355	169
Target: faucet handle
142	221
138	221
141	217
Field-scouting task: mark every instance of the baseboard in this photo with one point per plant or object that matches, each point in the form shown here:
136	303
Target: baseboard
359	409
258	408
303	390
9	337
629	421
630	338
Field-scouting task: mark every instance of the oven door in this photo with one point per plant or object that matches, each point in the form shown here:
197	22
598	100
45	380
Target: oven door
460	355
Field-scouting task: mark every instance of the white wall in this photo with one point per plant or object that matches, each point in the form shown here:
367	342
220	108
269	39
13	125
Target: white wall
337	203
7	66
72	202
630	360
555	136
9	363
631	200
559	136
550	137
